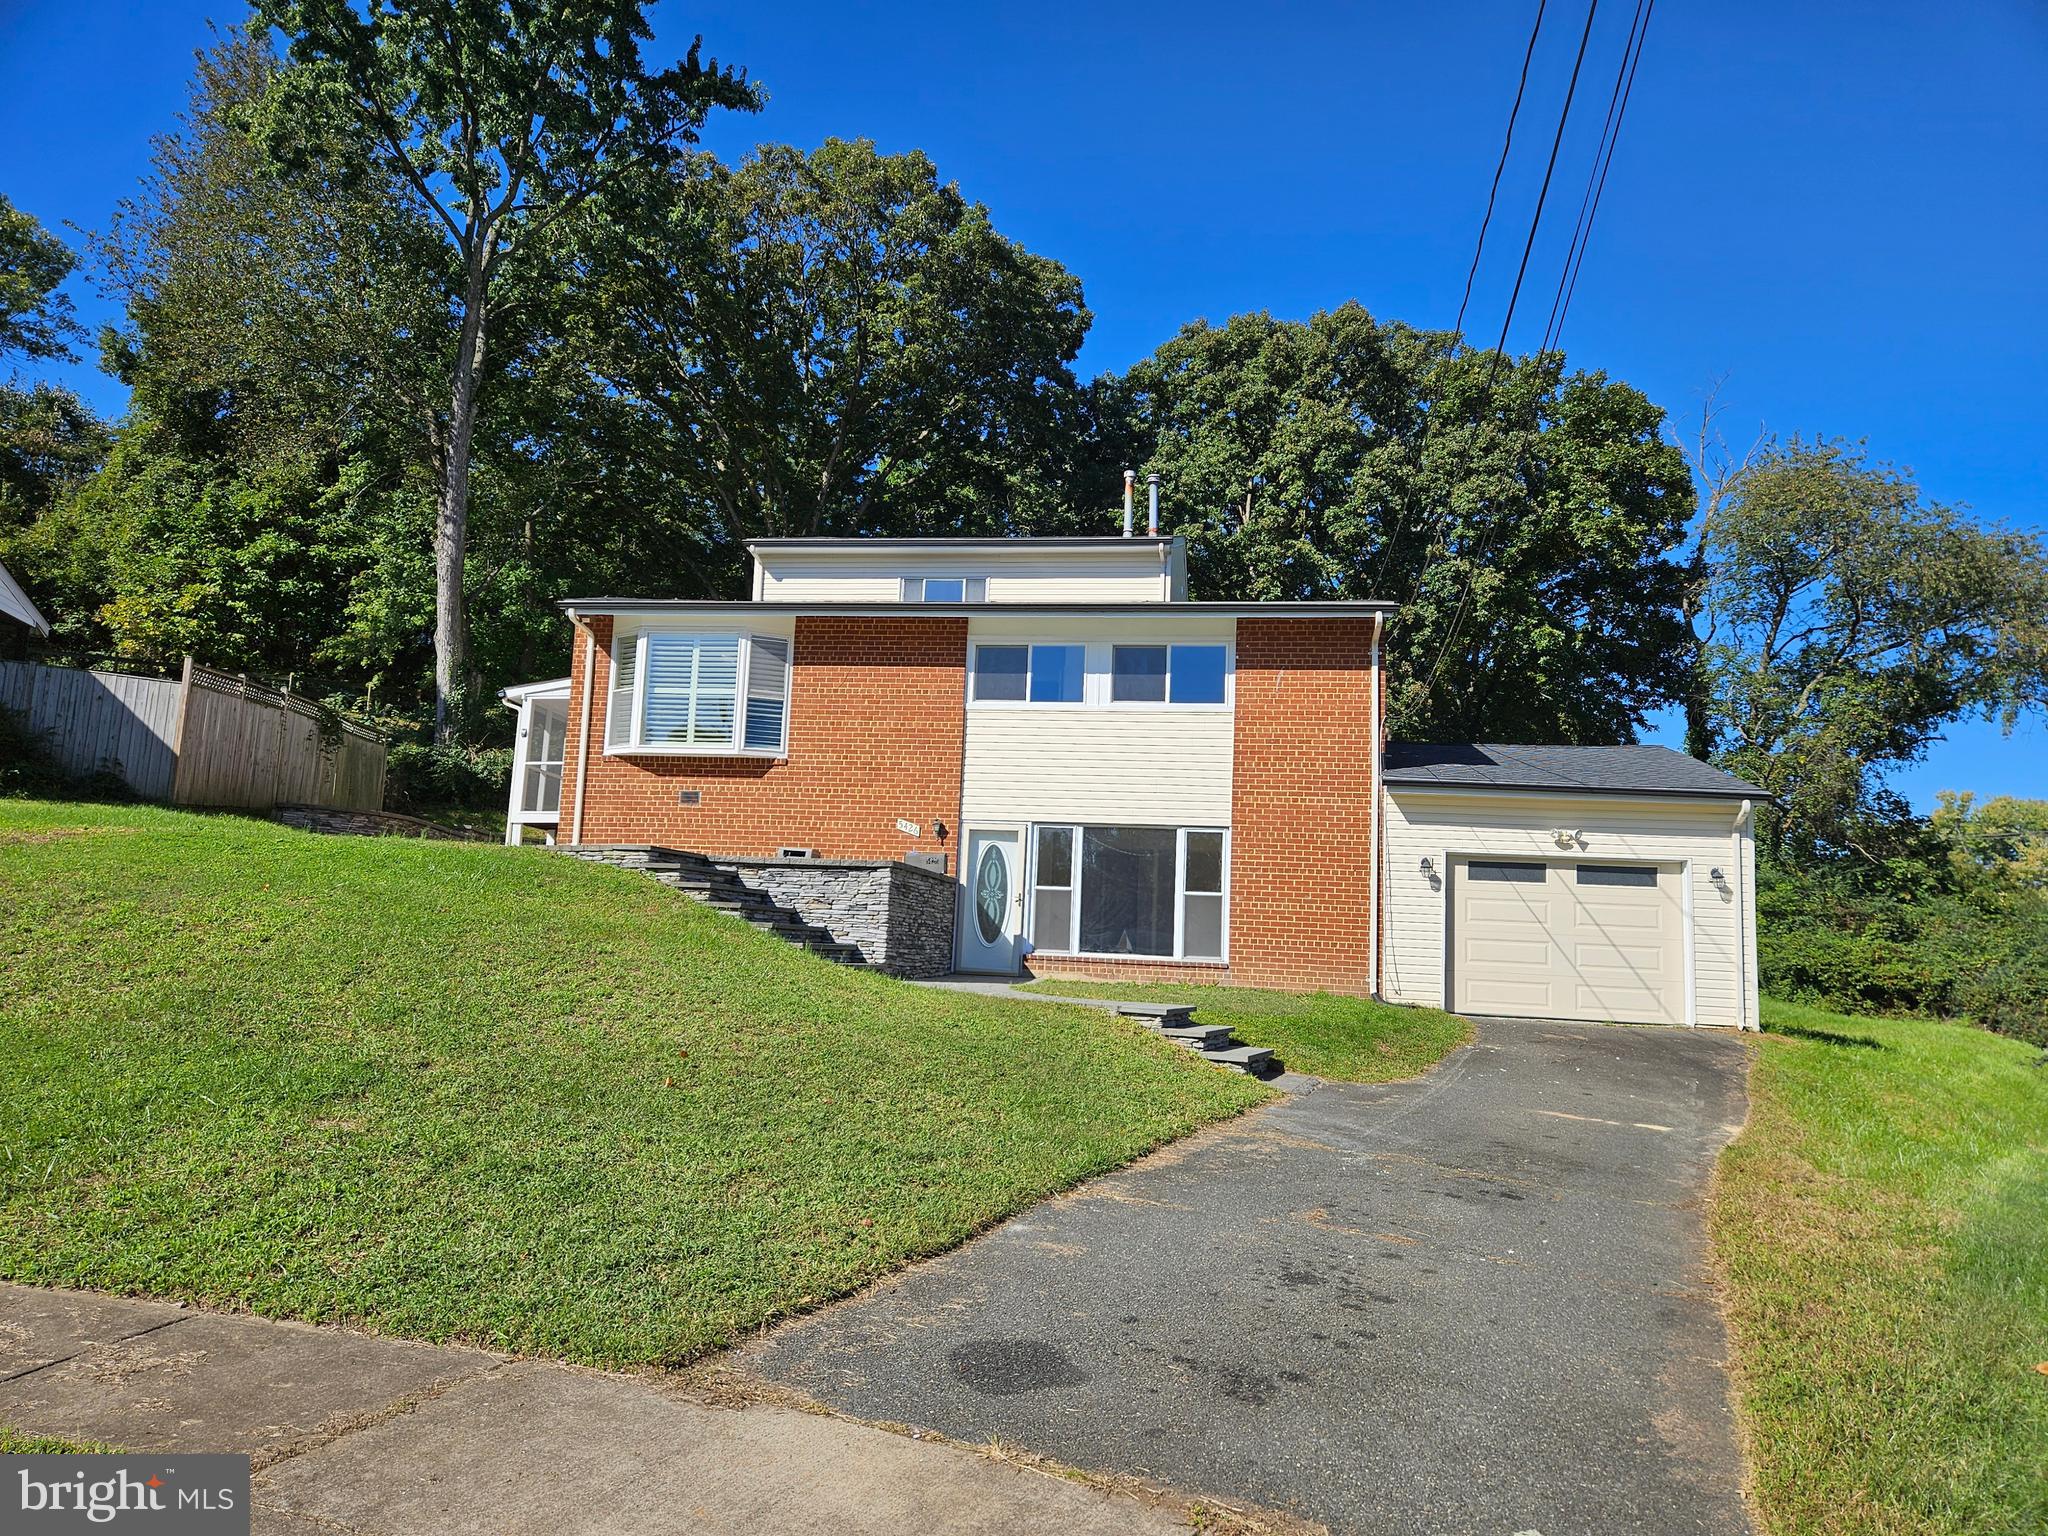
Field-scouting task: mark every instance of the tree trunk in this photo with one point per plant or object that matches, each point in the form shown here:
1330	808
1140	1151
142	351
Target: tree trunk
451	523
1699	701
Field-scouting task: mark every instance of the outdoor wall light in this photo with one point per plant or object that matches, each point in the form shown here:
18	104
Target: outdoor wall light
1428	865
1715	875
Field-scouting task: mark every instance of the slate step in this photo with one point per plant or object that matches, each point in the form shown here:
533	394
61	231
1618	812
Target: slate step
1252	1059
1203	1037
1166	1015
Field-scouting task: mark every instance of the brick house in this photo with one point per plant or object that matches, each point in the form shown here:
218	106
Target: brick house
1115	781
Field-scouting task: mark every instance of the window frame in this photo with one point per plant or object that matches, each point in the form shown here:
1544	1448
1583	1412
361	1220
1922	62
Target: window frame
1030	648
973	589
1072	950
1098	672
635	745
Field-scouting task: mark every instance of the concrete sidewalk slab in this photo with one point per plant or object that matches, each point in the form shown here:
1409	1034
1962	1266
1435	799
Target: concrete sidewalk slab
203	1382
556	1451
381	1437
40	1327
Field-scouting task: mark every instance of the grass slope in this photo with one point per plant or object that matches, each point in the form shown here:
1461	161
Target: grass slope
456	1091
1882	1226
1320	1033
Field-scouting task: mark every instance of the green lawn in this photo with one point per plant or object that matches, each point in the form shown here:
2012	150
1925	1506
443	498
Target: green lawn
447	1090
1320	1033
15	1443
1882	1227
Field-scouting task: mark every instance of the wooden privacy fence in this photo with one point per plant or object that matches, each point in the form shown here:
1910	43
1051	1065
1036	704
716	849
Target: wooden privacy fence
208	739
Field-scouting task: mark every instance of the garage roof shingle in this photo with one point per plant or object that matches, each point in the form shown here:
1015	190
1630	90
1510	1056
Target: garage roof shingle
1601	770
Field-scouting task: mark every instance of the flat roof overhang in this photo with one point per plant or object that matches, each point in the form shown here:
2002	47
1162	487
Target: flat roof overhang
1019	545
1569	791
690	607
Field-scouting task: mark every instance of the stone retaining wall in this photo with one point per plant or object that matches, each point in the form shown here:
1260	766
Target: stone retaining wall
314	818
898	916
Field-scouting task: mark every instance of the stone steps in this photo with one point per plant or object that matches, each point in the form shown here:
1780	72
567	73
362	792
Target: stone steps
1212	1042
720	889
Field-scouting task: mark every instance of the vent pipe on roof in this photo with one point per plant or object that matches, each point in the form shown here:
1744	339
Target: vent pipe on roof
1130	479
1152	507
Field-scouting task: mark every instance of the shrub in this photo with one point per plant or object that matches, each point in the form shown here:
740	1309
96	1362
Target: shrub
424	778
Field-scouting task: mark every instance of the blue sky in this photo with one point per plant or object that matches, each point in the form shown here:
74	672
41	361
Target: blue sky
1839	210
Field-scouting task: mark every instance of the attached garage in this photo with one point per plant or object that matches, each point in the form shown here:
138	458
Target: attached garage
1595	883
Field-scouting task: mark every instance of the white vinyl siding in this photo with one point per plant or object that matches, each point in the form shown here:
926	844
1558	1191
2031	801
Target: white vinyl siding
1696	837
1138	575
1114	767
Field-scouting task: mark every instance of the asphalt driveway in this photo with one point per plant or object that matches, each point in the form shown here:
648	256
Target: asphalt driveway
1474	1302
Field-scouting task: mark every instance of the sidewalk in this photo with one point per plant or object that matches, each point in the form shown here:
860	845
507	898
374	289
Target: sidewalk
353	1434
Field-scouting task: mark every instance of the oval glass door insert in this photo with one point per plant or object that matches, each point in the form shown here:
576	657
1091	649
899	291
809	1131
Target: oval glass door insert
991	893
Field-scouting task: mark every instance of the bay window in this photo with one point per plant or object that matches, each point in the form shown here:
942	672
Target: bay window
1152	891
675	691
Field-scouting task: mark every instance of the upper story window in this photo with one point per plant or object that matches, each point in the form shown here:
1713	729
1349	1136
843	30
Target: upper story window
1037	674
701	693
1168	674
945	589
1190	675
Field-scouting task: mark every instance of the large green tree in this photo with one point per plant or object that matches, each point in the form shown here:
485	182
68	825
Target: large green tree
831	342
506	120
1521	515
37	320
1846	621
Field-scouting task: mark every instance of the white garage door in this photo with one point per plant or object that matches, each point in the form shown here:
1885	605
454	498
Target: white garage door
1568	940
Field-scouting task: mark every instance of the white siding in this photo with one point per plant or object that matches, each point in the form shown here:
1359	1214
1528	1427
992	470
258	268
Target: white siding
1126	767
1041	576
1422	824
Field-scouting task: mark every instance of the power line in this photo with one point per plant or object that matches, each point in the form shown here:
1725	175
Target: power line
1596	177
1486	394
1507	143
1542	196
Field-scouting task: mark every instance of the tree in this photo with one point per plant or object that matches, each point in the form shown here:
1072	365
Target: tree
830	342
505	120
1851	619
1523	527
37	321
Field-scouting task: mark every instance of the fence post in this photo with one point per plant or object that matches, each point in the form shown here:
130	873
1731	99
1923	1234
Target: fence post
178	739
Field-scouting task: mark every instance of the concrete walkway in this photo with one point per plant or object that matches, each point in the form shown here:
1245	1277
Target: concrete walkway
1474	1302
353	1434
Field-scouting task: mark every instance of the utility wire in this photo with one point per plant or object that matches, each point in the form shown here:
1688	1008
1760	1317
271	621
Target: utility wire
1507	143
1486	394
1555	333
1387	552
1571	250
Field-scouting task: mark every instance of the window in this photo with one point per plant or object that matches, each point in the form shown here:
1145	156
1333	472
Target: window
1179	674
1129	891
945	589
1000	671
1201	901
1056	673
1198	674
767	694
1137	674
1052	891
1618	874
1518	874
680	692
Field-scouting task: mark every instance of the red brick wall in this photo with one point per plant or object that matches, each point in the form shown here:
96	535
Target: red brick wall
1301	805
877	717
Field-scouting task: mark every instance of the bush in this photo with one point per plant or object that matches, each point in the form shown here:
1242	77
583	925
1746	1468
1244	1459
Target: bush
424	779
1985	957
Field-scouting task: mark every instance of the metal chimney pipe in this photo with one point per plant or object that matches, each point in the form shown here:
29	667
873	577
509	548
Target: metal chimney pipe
1130	480
1152	505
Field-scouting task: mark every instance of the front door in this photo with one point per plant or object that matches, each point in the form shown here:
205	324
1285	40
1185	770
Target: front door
994	903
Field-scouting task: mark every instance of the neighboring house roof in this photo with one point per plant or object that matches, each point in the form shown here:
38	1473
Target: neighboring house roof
1349	608
15	604
1584	770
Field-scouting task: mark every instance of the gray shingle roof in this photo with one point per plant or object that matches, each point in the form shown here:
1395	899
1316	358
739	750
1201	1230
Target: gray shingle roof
1603	770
